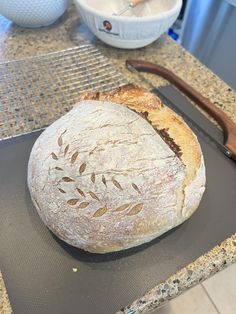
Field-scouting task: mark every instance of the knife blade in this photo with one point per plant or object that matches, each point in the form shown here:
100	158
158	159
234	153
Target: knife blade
165	96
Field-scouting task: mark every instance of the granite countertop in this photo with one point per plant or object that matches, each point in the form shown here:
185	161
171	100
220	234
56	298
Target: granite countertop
69	31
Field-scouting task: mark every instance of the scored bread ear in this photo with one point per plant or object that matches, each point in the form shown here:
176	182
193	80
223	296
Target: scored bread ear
173	130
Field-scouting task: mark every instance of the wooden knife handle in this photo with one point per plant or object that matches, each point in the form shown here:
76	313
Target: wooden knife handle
134	3
228	126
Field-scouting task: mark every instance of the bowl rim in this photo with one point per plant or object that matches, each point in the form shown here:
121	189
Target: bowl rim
162	15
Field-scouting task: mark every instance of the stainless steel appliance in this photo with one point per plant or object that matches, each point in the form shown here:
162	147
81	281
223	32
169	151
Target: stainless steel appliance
209	33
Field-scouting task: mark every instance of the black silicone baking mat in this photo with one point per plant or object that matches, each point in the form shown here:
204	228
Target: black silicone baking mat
43	275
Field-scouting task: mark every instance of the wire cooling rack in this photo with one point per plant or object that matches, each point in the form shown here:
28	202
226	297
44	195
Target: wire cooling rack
36	91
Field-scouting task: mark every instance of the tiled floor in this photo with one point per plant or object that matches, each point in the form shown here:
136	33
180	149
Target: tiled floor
216	295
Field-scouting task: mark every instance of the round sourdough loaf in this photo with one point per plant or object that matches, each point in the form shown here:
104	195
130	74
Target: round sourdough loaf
116	171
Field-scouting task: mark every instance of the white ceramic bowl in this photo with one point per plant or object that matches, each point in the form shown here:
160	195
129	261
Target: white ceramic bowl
33	13
128	32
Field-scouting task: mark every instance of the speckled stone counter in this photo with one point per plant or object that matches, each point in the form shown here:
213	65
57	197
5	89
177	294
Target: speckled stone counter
5	307
69	31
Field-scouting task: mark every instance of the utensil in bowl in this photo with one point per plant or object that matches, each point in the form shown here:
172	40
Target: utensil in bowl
131	5
128	32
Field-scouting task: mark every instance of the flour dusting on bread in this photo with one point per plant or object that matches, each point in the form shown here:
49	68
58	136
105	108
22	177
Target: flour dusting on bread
105	178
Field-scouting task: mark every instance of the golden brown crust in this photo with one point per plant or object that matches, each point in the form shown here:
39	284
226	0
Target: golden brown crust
130	95
161	118
91	196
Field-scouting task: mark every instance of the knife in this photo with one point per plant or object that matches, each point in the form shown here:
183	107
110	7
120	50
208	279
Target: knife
228	126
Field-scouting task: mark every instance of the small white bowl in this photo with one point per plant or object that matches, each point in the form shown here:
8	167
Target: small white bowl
33	13
131	31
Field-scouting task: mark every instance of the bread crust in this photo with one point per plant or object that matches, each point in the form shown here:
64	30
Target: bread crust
163	118
131	230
